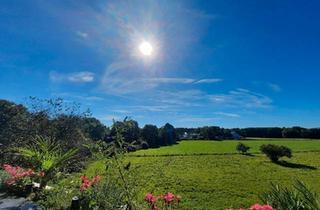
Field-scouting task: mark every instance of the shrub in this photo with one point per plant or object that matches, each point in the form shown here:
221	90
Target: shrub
274	152
47	156
241	147
298	198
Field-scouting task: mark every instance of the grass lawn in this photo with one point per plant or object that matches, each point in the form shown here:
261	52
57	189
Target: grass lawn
217	181
219	147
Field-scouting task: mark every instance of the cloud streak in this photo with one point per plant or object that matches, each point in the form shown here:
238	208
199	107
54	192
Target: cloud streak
242	98
76	77
226	114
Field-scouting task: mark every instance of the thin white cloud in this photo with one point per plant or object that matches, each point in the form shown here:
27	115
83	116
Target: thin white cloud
122	78
211	80
227	114
122	111
77	77
242	98
197	119
270	85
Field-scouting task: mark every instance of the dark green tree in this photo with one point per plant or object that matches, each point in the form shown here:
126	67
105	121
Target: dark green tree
129	129
13	123
150	134
167	135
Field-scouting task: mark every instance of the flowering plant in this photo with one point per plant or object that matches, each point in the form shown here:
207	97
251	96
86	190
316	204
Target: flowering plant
19	175
87	191
166	201
20	180
257	207
86	182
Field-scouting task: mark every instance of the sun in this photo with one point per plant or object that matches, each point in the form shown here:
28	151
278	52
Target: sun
146	48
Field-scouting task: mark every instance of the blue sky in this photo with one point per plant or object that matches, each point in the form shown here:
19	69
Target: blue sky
226	63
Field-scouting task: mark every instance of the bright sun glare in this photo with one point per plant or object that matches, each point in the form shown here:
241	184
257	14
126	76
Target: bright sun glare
146	48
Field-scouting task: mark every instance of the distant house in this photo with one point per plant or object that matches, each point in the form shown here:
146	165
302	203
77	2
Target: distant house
190	136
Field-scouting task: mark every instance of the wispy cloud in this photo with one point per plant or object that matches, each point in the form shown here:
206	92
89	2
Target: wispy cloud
242	98
227	114
211	80
122	78
122	111
78	77
196	119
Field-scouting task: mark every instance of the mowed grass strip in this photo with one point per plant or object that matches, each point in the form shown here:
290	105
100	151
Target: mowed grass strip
193	147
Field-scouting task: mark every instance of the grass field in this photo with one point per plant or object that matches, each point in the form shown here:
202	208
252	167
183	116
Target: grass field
210	175
228	146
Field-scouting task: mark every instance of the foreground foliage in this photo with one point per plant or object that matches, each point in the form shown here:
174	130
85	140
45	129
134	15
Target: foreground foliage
299	198
46	156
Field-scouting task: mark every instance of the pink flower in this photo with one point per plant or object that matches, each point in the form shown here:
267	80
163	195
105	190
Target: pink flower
169	197
16	173
96	179
85	183
256	207
267	207
149	197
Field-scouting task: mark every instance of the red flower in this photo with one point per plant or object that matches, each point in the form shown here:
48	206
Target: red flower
169	197
96	179
86	182
149	197
267	207
16	173
256	207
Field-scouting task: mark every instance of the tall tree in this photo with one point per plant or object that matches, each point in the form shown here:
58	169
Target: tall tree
150	134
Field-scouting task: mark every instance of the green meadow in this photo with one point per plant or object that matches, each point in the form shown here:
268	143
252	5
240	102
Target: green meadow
228	146
211	175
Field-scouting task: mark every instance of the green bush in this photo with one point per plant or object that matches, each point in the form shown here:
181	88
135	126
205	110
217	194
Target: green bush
274	152
241	147
300	197
47	156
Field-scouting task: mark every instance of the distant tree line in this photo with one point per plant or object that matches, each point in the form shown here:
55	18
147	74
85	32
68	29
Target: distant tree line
214	132
72	127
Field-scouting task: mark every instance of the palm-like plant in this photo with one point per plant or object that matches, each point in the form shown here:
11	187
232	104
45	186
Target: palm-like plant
298	198
47	156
